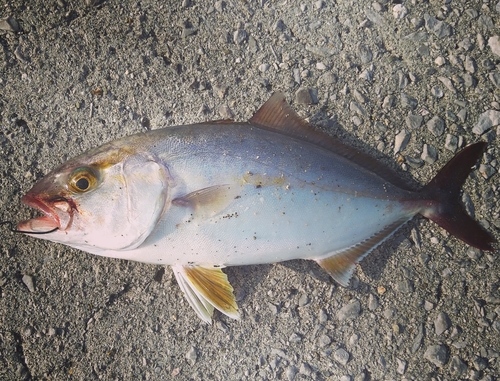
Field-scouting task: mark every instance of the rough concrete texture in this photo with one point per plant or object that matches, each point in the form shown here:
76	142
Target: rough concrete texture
424	306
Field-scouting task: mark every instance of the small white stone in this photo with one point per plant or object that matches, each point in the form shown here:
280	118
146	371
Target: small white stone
494	44
440	61
401	366
28	281
401	140
264	67
399	11
321	66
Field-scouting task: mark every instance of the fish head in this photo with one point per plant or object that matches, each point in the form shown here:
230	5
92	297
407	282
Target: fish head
108	199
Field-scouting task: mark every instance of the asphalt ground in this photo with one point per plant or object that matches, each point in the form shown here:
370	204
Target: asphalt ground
419	76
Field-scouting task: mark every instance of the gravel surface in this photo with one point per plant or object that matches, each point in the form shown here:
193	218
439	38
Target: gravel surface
410	82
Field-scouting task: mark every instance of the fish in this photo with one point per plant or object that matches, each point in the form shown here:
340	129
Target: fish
205	196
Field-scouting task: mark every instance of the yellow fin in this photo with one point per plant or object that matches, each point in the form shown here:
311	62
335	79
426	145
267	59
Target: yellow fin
206	288
208	202
341	264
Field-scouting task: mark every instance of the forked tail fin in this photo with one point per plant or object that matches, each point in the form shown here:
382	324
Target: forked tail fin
443	193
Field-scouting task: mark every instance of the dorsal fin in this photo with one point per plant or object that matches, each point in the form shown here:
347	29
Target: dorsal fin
276	114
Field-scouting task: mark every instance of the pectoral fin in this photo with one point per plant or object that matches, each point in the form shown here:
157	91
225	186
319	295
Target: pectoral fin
208	202
341	264
205	289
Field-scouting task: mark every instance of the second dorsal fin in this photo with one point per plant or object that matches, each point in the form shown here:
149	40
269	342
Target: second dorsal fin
276	114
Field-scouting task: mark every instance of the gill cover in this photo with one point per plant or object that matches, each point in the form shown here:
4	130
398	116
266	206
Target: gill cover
121	212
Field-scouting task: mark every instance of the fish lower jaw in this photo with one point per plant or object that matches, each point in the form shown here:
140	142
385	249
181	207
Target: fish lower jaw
38	225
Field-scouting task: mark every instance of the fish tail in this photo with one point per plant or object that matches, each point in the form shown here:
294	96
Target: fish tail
443	205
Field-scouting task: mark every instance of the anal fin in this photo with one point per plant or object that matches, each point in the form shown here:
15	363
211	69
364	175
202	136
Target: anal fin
206	288
341	264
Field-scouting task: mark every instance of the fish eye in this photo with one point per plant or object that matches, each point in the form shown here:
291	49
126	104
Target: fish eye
82	180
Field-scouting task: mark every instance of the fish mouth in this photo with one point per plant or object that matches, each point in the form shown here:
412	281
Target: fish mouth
55	216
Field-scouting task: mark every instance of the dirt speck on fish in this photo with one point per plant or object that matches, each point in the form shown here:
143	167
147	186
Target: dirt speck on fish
204	196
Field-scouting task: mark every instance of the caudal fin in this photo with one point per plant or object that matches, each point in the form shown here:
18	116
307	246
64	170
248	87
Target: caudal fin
443	194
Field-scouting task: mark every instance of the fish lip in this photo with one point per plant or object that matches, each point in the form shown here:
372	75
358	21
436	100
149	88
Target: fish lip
50	218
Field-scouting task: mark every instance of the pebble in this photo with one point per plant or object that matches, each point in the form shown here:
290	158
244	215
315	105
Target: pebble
439	28
321	66
428	306
447	82
357	108
225	112
192	356
306	96
341	356
415	236
417	341
304	300
414	121
389	313
401	369
305	369
295	338
405	286
480	41
441	323
323	316
429	154
28	281
365	53
462	115
291	372
450	115
470	64
436	126
437	354
408	101
324	340
494	44
9	24
399	11
367	75
357	120
350	310
469	80
361	377
486	120
437	92
401	140
220	6
402	80
279	26
264	67
495	78
240	36
388	102
359	96
487	171
354	339
440	61
457	366
451	143
372	302
327	78
480	363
